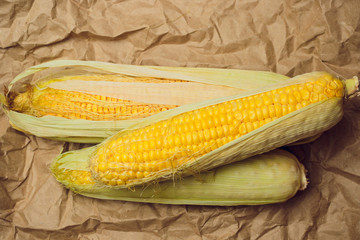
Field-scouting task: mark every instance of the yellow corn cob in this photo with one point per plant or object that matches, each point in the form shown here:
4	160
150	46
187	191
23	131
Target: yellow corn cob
184	142
84	101
42	101
268	178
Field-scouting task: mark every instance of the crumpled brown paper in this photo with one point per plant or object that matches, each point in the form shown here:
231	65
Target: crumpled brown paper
288	37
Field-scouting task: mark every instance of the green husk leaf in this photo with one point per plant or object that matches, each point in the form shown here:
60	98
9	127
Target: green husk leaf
243	79
211	75
62	129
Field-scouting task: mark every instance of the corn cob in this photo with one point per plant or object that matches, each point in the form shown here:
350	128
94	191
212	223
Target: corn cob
78	105
204	136
85	104
268	178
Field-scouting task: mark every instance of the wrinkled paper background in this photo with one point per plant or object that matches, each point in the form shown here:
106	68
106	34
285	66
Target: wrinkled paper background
285	36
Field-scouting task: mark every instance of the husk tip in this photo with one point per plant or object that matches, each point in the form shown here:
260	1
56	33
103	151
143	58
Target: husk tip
304	181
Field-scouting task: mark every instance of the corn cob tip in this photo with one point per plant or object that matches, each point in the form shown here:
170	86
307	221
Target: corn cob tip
20	102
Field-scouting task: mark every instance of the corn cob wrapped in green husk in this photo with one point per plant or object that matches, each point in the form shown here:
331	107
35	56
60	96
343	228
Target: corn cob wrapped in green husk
201	136
272	177
86	101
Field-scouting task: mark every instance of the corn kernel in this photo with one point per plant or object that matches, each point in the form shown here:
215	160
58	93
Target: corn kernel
246	103
267	99
259	101
309	86
305	94
242	129
189	139
182	138
284	99
259	114
102	167
291	108
220	131
226	130
333	85
249	127
272	111
252	103
252	115
245	116
276	98
330	92
314	98
207	134
339	93
297	96
278	110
